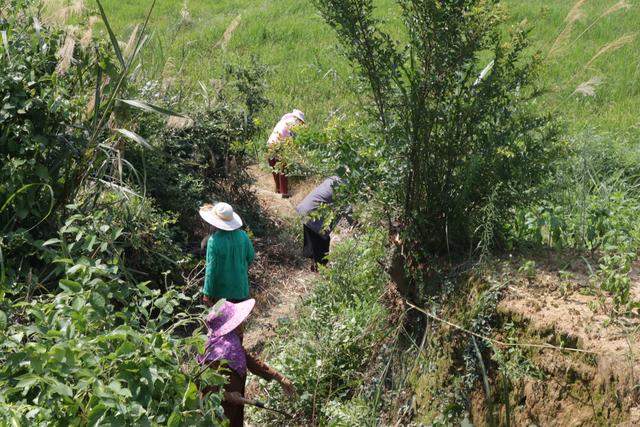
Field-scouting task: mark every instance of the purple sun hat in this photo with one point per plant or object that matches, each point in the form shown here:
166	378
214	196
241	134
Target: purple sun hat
228	317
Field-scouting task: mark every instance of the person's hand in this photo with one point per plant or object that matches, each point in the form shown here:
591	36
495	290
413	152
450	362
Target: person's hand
234	397
288	387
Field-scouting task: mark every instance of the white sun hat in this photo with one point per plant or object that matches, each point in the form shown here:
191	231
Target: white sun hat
298	115
221	216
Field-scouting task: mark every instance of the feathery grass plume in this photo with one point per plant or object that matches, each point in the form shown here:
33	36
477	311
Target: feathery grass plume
58	14
222	43
175	122
168	73
77	7
87	36
131	43
575	14
588	88
616	7
92	101
611	47
622	4
185	15
65	54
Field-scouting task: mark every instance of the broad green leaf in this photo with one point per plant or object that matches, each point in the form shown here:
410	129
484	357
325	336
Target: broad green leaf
118	389
3	320
70	285
51	242
60	388
190	394
126	349
75	268
134	137
26	381
160	302
175	419
97	301
96	414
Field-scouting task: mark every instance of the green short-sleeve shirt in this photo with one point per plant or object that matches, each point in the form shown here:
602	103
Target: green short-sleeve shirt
229	254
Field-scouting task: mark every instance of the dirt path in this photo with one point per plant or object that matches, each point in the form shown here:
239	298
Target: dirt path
282	277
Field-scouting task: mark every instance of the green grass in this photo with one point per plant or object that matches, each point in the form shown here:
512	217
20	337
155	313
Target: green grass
615	106
306	70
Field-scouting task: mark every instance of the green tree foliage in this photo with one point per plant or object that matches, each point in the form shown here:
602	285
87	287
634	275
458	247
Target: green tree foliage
457	140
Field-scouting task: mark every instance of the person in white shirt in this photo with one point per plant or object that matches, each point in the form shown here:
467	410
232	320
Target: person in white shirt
282	131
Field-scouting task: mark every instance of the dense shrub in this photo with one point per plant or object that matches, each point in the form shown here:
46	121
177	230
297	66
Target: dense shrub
202	159
39	146
90	316
99	349
591	204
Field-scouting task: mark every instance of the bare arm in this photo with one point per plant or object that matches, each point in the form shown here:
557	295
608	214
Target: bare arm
261	369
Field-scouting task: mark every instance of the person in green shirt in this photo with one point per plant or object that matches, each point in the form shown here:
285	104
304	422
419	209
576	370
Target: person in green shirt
229	254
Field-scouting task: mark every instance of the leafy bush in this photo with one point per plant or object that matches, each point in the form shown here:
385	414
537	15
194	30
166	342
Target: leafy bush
39	147
202	159
99	350
82	339
328	349
457	135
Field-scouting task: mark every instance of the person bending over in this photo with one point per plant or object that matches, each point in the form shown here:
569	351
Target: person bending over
281	132
317	234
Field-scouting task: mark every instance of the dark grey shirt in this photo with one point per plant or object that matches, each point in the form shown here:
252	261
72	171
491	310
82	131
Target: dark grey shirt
321	195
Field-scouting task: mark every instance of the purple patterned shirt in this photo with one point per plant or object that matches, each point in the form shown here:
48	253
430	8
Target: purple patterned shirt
227	347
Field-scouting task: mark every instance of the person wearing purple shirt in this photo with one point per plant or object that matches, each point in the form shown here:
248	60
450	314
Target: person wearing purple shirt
224	349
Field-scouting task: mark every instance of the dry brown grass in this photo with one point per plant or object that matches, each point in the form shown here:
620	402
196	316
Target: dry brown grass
175	122
222	43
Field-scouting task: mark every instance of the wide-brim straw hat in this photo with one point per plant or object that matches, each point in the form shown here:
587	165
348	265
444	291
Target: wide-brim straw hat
221	216
298	115
228	317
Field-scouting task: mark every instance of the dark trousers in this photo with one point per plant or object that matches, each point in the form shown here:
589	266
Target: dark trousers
234	413
316	246
281	180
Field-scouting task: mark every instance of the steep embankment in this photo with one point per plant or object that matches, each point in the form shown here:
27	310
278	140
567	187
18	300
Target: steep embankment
598	385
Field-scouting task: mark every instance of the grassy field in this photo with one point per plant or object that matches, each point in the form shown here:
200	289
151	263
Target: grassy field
306	70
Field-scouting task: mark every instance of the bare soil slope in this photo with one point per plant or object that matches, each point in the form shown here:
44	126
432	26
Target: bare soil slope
600	386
